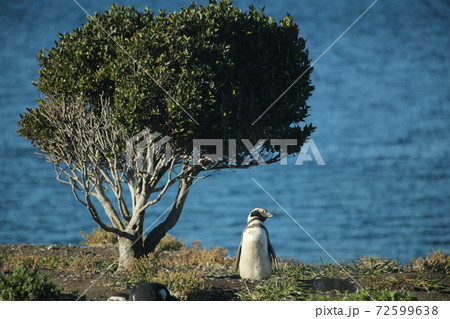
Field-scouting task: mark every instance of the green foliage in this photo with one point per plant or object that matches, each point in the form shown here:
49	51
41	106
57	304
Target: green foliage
185	285
27	284
144	268
222	65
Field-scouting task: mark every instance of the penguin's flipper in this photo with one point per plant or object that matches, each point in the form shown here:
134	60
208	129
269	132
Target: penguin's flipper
238	255
272	254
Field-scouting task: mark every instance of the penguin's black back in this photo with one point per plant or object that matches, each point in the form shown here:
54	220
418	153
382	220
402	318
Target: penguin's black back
145	291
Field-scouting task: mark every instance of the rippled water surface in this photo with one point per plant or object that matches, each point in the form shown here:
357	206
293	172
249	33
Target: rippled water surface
381	107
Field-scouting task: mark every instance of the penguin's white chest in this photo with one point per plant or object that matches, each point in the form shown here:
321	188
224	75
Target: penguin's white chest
255	262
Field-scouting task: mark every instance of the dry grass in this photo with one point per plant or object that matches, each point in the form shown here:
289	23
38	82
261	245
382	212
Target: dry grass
69	264
196	273
179	267
375	265
98	238
195	257
435	261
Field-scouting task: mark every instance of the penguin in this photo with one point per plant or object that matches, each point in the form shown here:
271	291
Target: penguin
255	253
145	291
118	297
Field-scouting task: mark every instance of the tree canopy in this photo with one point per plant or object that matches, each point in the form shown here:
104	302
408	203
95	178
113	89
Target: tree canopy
221	65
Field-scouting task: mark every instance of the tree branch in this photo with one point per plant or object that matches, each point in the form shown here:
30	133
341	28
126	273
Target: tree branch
96	218
159	231
109	208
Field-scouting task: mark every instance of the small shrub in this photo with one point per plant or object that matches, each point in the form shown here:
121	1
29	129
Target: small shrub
25	284
169	243
144	268
436	261
182	271
185	285
98	238
197	256
375	265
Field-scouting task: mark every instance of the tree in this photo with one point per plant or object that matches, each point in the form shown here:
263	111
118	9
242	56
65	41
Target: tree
203	72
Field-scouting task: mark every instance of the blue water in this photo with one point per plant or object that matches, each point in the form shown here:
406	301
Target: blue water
381	107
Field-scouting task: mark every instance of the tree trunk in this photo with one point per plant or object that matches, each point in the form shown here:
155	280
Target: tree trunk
128	251
160	231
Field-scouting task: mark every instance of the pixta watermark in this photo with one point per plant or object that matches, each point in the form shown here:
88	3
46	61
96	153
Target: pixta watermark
142	148
308	147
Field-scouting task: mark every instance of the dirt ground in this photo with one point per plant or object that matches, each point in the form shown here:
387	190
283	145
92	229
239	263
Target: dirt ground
99	285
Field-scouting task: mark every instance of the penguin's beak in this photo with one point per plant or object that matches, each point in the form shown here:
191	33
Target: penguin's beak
267	215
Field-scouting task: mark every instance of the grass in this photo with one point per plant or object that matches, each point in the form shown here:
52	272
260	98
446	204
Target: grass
382	279
186	285
275	290
98	238
184	272
196	273
435	261
368	295
72	264
375	265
